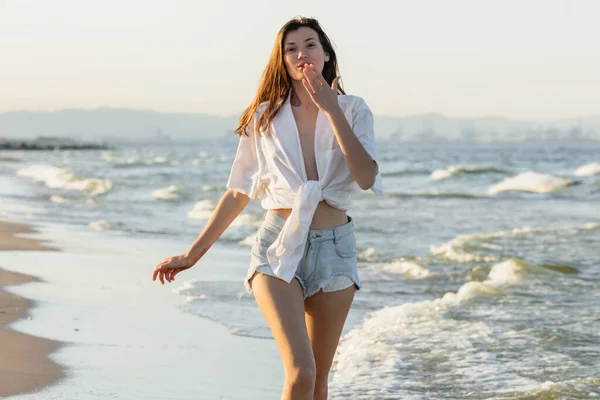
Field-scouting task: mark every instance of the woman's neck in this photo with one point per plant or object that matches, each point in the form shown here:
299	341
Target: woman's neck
300	97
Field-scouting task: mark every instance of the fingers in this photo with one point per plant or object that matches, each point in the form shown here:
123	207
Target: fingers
162	268
158	268
311	77
167	269
319	77
334	84
308	87
307	84
163	273
171	275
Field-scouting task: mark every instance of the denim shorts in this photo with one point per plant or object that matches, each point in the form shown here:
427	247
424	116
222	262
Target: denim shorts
329	259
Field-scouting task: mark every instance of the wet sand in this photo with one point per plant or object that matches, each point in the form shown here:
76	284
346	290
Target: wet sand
24	365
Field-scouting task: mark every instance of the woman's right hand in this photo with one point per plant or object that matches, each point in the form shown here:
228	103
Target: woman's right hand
171	266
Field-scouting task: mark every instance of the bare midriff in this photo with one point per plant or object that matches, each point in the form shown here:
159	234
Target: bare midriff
325	217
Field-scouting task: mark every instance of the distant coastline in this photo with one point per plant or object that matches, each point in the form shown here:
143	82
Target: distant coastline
54	143
106	125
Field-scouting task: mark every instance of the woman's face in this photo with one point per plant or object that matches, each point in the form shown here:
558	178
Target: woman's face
302	47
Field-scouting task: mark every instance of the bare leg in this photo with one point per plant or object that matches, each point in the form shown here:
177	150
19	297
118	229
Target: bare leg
325	317
282	305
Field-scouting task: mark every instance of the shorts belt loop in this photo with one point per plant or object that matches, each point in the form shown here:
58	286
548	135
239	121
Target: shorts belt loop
334	235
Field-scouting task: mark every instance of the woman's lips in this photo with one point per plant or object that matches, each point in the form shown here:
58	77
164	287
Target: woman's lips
302	64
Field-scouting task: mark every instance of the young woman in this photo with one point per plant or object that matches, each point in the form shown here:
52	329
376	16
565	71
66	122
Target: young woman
304	147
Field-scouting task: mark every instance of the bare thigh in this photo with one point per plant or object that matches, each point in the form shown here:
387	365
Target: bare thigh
282	305
326	314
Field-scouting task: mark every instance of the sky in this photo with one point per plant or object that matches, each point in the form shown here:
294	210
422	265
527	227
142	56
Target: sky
522	59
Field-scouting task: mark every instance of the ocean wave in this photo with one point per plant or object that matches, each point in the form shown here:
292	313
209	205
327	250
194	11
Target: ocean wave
455	170
100	225
580	388
408	269
133	161
388	271
246	220
172	192
405	171
212	188
462	247
202	210
435	194
64	200
63	178
369	254
531	182
514	270
400	341
248	241
588	169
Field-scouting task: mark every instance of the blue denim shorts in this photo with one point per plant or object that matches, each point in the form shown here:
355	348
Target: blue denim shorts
329	259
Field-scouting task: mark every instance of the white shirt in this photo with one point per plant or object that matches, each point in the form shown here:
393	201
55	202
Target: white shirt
270	168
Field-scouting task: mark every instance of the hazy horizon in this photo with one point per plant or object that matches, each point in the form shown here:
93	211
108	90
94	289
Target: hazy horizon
237	114
531	60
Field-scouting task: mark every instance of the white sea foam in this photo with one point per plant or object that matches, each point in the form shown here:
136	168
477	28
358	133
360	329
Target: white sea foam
455	170
63	178
400	341
246	220
456	249
248	241
113	160
459	248
160	160
100	225
588	169
64	200
408	269
530	182
202	210
132	161
211	188
170	193
369	254
580	388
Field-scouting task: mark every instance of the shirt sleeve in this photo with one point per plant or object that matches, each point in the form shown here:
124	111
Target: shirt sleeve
245	174
362	126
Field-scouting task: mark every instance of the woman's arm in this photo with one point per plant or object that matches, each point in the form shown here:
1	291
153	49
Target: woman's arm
360	164
230	206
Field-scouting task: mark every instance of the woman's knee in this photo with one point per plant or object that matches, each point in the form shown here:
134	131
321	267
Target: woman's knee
302	376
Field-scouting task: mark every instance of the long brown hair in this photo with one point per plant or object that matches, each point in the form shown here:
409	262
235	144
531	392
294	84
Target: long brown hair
276	84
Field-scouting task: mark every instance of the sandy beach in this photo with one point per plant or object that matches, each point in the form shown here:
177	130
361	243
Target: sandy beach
114	332
24	365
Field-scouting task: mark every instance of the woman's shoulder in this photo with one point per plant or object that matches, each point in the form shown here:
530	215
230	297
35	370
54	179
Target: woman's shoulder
353	105
351	101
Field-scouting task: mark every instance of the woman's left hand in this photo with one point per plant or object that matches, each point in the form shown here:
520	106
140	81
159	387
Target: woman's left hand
323	95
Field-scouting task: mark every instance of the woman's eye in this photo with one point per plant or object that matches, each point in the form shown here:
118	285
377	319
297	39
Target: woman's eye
311	45
290	49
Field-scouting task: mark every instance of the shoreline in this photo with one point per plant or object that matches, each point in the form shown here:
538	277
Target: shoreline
25	365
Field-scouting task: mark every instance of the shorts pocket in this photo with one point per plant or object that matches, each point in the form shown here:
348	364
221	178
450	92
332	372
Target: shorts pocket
345	246
265	237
